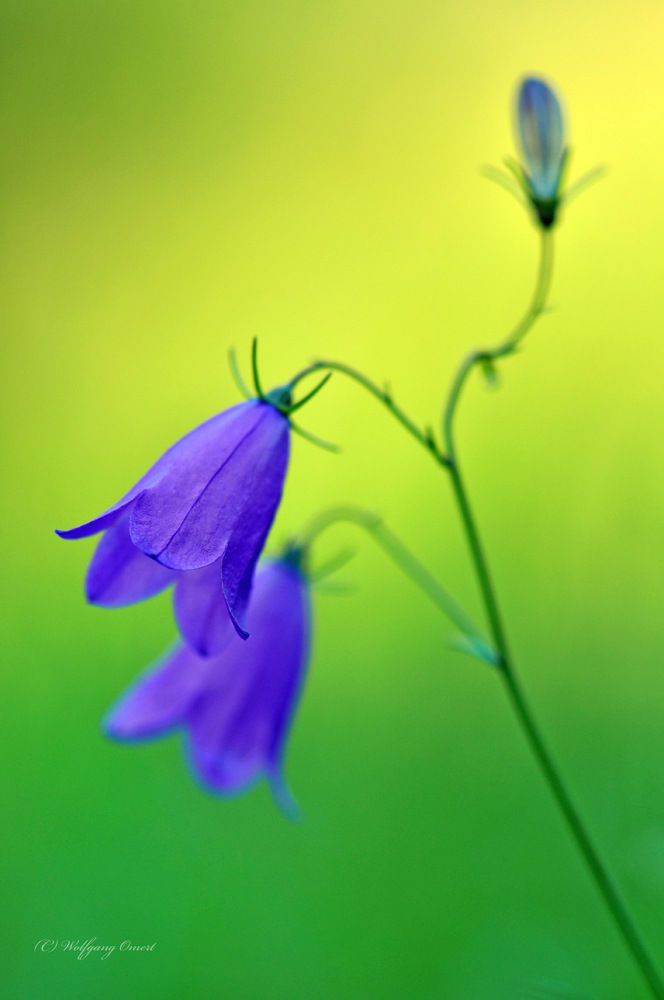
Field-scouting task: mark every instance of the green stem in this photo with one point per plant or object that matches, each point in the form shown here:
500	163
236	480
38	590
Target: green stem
507	346
404	559
425	438
480	563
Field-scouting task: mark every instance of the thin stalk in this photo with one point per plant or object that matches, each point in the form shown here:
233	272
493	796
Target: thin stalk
425	438
480	564
444	457
507	346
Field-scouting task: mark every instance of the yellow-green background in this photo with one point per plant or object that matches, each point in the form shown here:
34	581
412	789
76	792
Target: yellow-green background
179	177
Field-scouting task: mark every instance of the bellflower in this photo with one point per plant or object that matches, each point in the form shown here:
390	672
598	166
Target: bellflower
541	135
121	574
209	500
236	708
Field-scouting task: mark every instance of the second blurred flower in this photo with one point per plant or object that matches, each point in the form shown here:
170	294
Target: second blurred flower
236	707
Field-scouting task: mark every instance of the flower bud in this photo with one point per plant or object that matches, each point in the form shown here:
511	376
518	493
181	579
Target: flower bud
541	136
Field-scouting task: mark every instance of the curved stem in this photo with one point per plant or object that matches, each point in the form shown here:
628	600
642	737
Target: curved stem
403	558
425	438
509	345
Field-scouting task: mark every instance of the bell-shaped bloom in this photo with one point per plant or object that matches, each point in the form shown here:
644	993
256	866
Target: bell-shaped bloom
120	574
236	708
211	498
542	137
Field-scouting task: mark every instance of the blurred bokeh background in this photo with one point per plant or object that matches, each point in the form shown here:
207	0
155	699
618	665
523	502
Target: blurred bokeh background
181	177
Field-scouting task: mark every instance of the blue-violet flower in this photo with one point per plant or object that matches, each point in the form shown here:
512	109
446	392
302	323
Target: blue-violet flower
237	707
210	499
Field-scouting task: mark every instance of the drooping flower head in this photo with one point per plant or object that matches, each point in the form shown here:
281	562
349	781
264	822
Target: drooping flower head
210	499
541	138
120	574
237	707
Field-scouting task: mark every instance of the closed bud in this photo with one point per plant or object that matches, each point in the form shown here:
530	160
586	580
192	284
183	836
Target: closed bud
541	136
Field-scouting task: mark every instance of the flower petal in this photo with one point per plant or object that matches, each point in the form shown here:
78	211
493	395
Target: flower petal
160	697
201	611
119	573
238	706
93	527
192	460
239	725
542	135
188	520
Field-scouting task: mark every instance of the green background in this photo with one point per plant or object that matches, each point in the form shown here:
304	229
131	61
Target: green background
180	177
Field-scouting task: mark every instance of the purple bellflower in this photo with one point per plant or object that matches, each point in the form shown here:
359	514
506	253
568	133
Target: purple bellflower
541	136
200	516
237	707
121	574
